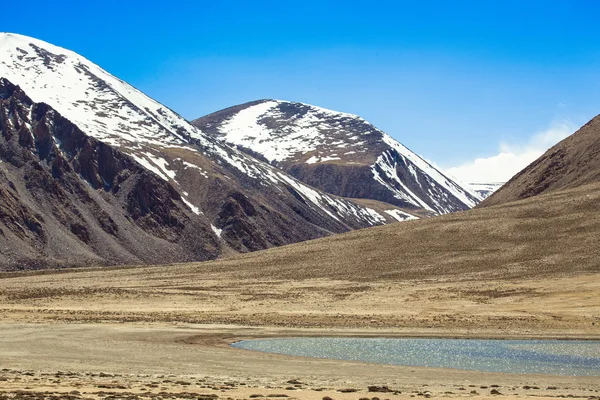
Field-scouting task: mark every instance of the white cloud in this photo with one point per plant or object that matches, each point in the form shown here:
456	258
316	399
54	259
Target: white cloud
511	158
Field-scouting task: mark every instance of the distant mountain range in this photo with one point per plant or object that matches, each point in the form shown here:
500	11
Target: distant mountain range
95	172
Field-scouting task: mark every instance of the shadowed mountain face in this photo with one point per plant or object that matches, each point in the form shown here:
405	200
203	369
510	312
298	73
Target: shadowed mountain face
247	204
573	162
66	198
338	153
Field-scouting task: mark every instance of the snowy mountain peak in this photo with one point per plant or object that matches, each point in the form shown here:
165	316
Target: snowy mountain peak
285	131
306	140
93	99
485	190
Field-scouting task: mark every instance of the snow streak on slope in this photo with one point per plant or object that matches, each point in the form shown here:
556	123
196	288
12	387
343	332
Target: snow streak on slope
114	112
457	191
384	172
400	215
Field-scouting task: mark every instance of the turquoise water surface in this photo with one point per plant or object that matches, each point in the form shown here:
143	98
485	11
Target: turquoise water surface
555	357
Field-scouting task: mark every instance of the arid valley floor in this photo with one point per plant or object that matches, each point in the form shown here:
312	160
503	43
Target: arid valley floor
515	271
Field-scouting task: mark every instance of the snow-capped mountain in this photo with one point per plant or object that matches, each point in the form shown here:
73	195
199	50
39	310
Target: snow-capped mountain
249	204
485	190
339	153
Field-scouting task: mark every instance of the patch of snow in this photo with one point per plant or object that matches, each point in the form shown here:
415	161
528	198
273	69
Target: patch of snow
400	215
312	160
216	230
162	164
194	166
150	166
192	207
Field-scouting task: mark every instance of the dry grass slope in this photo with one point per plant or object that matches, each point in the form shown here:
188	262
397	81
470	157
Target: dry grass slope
525	268
573	162
554	234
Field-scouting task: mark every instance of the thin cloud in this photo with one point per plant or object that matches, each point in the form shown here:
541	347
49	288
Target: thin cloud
511	158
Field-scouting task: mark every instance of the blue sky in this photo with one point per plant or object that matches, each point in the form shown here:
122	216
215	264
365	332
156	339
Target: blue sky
455	81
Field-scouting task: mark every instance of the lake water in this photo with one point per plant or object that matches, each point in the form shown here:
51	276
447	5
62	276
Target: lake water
555	357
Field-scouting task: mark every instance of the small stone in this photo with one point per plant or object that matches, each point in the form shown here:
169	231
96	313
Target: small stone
379	389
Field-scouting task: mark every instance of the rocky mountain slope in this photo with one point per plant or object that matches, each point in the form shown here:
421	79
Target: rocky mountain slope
338	153
573	162
68	199
248	204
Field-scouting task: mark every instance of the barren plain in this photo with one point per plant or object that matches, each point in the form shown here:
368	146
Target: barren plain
528	269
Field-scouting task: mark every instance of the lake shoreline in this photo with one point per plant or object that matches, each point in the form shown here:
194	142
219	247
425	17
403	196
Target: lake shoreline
548	357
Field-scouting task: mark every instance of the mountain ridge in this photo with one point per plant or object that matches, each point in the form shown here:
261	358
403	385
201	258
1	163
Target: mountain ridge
572	162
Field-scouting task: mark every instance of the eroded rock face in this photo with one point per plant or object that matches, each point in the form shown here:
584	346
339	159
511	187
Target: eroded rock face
68	199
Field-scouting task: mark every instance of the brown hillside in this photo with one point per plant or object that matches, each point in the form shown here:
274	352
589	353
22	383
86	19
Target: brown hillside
573	162
551	234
